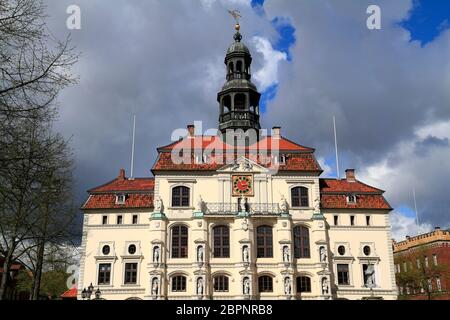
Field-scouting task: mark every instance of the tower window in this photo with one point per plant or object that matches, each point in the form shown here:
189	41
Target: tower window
239	102
368	220
119	219
352	220
336	220
135	219
105	220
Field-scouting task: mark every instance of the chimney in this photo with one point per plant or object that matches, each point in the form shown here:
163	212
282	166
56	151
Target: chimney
350	175
191	130
122	174
276	132
437	228
408	237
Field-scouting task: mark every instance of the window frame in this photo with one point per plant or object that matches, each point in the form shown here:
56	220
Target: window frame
135	219
301	250
265	284
104	274
264	250
221	283
339	274
300	200
104	220
301	284
178	200
128	272
181	249
119	220
178	280
221	242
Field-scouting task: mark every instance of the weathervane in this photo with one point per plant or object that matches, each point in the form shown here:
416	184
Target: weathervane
236	15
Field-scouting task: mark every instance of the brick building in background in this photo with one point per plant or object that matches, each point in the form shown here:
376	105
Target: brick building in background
422	266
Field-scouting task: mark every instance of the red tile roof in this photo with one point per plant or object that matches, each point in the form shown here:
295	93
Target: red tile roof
334	185
123	184
294	162
366	201
215	143
334	195
108	201
70	294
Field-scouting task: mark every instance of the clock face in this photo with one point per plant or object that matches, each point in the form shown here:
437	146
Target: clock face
242	185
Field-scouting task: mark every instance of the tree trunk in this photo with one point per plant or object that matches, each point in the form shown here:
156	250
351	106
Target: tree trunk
38	272
4	282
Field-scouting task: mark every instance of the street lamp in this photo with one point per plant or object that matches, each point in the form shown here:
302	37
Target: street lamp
98	294
87	293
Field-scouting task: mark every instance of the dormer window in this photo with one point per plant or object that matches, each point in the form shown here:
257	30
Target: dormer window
351	199
120	199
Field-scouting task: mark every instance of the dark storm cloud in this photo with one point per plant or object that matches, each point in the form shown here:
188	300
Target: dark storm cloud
164	61
381	87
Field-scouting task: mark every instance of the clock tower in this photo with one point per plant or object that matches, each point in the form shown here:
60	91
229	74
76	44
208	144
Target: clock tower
239	97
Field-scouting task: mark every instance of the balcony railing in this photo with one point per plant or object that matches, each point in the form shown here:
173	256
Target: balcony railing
239	115
250	208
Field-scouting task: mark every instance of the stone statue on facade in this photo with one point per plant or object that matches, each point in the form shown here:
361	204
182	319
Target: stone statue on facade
284	207
242	204
158	204
155	286
286	257
246	286
244	224
200	286
200	254
199	204
317	205
156	254
245	254
325	288
370	276
323	254
287	286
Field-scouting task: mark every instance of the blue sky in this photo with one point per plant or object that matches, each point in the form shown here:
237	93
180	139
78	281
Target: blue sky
427	20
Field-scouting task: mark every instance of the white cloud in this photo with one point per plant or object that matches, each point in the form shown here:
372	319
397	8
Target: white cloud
403	226
327	170
268	74
208	3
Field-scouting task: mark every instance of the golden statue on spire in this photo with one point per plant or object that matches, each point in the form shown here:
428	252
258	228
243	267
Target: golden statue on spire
236	15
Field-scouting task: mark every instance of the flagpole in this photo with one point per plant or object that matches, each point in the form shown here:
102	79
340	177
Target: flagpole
132	147
336	147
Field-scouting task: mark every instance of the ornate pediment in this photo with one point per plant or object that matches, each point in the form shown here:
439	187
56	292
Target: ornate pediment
243	165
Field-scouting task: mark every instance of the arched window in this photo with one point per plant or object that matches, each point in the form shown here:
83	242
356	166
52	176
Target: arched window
221	242
299	197
264	242
180	197
179	284
231	67
179	242
239	66
227	103
221	283
303	284
301	242
239	101
265	284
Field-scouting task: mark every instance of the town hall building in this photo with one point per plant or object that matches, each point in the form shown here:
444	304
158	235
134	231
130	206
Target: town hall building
243	216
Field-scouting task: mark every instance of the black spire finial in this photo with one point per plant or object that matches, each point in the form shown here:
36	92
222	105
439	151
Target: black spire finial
237	36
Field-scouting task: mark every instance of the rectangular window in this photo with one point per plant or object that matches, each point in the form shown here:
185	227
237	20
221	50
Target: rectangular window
221	284
104	273
119	219
368	220
343	274
435	263
179	284
438	284
419	265
130	273
105	220
426	262
135	219
405	267
336	220
303	284
352	220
